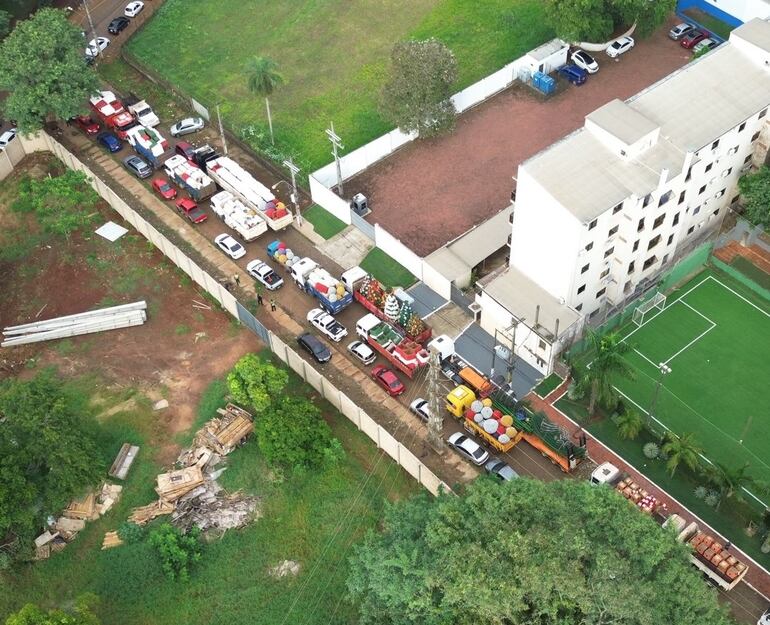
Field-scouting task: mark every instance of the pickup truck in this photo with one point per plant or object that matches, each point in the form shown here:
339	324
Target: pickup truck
143	113
263	273
327	324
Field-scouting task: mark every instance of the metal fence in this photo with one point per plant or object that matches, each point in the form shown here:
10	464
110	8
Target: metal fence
364	226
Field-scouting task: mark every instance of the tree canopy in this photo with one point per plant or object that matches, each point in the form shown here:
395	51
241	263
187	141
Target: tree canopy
755	189
48	453
526	552
254	382
42	66
607	365
597	20
81	614
422	80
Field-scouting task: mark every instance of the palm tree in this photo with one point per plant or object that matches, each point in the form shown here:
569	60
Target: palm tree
263	78
681	449
730	482
606	365
629	424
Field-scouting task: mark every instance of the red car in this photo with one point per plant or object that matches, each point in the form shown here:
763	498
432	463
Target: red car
86	124
388	380
190	209
186	150
693	37
164	189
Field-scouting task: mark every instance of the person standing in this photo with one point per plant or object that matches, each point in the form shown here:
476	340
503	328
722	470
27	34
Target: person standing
259	299
272	304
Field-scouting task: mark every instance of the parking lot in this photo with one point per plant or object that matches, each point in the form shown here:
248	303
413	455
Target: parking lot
431	191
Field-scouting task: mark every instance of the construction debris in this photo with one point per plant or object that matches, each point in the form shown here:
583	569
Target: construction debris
287	567
160	404
84	508
111	539
108	497
123	461
45	538
212	512
147	513
171	486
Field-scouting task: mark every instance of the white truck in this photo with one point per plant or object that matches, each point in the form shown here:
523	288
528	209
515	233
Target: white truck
246	221
189	177
605	473
319	283
144	113
231	177
150	144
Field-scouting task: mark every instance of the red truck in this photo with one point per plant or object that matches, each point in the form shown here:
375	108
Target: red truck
403	353
109	110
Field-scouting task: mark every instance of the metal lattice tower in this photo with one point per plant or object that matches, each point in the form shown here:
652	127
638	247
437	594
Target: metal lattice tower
436	419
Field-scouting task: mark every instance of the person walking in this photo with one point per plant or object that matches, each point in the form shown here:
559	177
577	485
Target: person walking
259	299
237	279
272	304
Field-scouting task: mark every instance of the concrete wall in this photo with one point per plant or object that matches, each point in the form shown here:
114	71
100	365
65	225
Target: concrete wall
733	12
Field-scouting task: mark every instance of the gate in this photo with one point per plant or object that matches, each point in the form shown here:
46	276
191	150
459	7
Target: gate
458	298
250	321
364	226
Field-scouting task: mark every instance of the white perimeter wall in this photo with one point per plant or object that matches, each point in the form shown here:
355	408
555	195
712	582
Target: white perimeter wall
744	10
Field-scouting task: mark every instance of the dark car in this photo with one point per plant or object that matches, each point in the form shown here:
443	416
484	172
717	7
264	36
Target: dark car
118	24
500	470
315	347
109	141
691	38
574	74
138	167
186	150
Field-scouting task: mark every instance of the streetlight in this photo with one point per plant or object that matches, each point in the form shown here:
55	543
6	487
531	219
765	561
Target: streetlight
293	195
664	370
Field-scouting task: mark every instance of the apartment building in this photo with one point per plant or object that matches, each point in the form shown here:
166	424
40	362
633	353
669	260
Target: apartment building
600	214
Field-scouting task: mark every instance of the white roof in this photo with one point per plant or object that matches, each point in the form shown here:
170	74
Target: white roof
541	53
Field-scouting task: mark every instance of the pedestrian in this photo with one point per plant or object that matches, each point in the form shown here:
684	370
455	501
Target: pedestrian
237	279
728	545
259	299
272	304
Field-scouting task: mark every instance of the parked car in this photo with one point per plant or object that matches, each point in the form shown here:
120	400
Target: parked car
500	470
138	167
327	324
164	189
705	44
619	46
186	150
765	618
363	352
468	448
86	124
133	8
680	30
585	61
118	24
109	141
388	380
421	408
7	137
573	74
187	126
315	347
230	246
96	46
264	273
189	209
691	38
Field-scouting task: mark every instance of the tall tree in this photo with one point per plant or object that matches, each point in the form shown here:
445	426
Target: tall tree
417	94
730	481
755	190
43	69
682	449
608	364
256	382
5	23
526	552
82	613
630	424
263	78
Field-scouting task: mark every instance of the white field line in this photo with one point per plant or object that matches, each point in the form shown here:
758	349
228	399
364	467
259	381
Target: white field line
695	340
647	359
750	303
695	310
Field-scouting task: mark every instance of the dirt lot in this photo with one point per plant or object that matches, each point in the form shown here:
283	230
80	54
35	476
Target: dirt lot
175	355
430	192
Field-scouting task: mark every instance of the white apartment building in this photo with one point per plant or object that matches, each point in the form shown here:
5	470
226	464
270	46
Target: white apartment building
601	213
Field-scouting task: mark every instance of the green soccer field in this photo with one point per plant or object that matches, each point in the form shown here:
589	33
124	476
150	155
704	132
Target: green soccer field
714	334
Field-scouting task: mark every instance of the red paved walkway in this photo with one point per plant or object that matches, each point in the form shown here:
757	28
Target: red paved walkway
758	577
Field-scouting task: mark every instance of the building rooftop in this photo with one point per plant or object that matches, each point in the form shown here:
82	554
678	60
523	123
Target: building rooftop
547	49
622	121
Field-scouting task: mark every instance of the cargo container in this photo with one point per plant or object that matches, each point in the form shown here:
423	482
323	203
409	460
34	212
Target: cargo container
150	145
246	221
109	109
190	178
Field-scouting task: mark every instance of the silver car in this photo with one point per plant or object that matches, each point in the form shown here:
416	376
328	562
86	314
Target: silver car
138	167
680	30
500	470
363	352
469	448
7	137
187	126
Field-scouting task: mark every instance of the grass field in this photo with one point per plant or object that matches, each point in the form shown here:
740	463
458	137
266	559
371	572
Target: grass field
713	334
386	270
334	56
324	223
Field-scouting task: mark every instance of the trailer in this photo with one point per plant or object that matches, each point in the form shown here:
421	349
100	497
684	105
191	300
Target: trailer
231	177
109	109
190	178
309	276
494	427
149	144
404	354
246	221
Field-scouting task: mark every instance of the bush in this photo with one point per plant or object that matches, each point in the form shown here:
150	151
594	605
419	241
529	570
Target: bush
700	492
651	450
178	551
575	392
131	533
711	498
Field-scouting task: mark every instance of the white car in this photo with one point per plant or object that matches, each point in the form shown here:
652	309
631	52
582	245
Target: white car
363	352
619	46
585	61
96	46
765	618
262	272
7	137
468	448
420	407
187	126
704	44
133	8
230	246
327	324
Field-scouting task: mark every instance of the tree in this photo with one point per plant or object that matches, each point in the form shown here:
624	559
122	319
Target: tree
681	449
255	382
417	94
48	453
81	614
755	189
526	552
729	481
42	68
263	78
630	424
178	551
608	363
292	433
5	23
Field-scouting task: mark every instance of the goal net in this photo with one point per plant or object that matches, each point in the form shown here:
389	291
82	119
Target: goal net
648	309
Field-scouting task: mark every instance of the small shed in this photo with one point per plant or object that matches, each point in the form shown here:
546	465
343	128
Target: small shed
547	57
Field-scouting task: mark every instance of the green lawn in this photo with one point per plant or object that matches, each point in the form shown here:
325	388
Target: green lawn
386	270
716	26
751	271
548	385
324	223
311	517
334	56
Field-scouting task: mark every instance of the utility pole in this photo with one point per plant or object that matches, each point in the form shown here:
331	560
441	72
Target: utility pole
289	164
664	370
436	416
222	132
93	30
336	144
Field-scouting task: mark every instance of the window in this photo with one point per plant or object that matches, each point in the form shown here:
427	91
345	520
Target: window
676	220
715	213
617	209
636	245
715	145
584	269
608	252
640	227
727	172
581	289
665	198
541	344
735	199
664	259
689	174
613	230
708	167
579	307
653	242
658	221
592	225
747	159
681	196
754	137
649	262
690	231
742	127
719	194
631	267
590	246
600	292
604	273
627	287
762	114
670	240
647	200
510	217
696	210
702	189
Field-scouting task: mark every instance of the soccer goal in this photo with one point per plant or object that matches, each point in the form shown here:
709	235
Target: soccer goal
658	302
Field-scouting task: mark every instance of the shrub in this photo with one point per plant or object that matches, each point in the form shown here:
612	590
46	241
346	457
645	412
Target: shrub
576	392
700	492
178	551
651	450
131	533
711	498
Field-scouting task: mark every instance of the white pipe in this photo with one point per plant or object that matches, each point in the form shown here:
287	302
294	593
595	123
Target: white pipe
136	318
140	305
69	323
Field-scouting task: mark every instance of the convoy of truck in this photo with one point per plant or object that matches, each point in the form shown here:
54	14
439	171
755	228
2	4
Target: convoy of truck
190	178
403	353
149	144
247	222
109	110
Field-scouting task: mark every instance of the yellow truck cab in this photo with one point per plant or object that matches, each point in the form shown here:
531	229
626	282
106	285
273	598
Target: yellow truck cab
459	400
